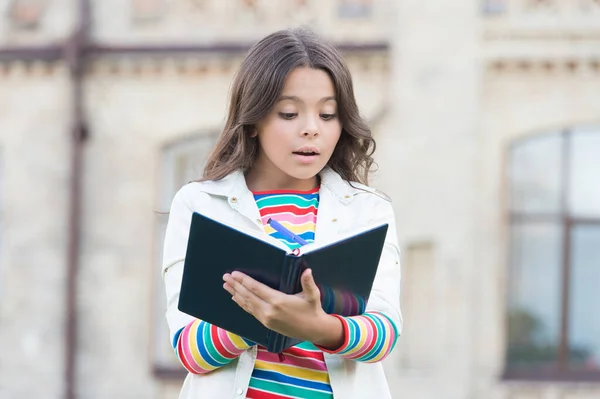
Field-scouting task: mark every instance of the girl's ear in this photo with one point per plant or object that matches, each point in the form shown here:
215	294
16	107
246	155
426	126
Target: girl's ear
253	133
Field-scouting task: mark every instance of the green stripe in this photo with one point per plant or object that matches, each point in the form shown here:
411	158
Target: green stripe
394	339
288	390
352	336
305	345
287	200
210	347
379	333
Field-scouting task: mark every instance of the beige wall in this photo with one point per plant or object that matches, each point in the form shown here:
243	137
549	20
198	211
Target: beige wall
443	112
520	103
34	145
428	166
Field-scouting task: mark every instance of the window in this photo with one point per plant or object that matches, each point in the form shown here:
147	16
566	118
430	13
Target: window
418	306
355	8
1	223
26	14
493	7
143	11
554	273
182	162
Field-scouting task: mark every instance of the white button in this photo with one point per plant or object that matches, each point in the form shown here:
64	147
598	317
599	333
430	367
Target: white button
240	391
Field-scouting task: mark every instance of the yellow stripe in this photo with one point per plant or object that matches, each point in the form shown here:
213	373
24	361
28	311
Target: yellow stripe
363	337
293	371
388	335
301	228
237	341
194	348
295	228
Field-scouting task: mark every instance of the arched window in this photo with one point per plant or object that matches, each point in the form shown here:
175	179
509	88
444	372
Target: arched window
355	8
26	14
554	277
182	162
2	191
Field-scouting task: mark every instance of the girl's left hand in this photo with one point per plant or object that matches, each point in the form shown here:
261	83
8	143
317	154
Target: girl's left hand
300	315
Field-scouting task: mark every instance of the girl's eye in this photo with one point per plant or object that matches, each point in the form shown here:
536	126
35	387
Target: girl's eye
287	115
327	117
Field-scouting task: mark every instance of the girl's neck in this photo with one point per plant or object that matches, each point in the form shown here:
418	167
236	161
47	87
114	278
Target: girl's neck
258	181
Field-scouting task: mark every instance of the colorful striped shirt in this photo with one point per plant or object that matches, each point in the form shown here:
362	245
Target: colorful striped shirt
296	211
301	371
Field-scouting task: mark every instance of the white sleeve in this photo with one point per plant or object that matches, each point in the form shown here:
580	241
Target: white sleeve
385	293
175	247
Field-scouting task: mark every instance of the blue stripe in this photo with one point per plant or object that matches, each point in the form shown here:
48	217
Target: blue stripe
328	302
290	244
357	334
362	305
394	326
176	338
297	382
303	196
296	200
308	235
202	348
380	333
391	322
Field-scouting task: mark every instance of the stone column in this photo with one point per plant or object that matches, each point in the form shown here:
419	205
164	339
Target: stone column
428	165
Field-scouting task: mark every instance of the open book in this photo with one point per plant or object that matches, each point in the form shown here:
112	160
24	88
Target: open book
343	270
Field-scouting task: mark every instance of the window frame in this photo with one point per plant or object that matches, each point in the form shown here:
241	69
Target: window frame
561	373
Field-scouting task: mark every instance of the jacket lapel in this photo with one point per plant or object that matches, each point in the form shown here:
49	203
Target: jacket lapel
241	199
334	196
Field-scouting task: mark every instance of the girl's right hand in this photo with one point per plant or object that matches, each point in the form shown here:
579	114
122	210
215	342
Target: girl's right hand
300	315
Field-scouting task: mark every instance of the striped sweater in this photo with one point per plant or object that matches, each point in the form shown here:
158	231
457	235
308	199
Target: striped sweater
301	371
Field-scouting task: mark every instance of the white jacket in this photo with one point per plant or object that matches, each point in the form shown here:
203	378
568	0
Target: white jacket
343	209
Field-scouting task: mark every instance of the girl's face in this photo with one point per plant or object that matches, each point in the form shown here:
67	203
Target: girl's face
297	138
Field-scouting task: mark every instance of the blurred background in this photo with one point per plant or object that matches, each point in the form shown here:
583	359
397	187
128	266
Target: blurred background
487	119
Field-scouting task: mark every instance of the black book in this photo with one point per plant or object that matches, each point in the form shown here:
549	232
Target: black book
343	270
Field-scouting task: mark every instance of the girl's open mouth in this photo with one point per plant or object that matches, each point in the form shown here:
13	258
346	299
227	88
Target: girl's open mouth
306	157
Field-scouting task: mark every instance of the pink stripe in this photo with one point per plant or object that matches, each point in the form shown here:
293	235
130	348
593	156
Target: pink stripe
390	337
375	333
288	208
227	343
365	329
293	360
354	303
347	298
289	218
186	347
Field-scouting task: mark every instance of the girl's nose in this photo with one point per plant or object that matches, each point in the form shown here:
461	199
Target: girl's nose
311	128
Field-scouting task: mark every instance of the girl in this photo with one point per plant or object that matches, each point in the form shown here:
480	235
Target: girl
293	147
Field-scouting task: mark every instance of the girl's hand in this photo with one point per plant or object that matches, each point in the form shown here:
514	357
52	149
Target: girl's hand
300	316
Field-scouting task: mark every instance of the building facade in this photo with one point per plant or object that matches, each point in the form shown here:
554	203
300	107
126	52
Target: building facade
487	120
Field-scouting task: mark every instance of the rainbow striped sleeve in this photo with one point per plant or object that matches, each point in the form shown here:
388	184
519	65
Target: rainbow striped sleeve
368	338
202	347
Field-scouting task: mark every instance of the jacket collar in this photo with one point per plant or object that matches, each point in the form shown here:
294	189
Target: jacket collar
234	186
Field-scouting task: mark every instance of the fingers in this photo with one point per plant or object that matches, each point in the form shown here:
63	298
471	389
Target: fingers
259	289
243	291
309	287
240	298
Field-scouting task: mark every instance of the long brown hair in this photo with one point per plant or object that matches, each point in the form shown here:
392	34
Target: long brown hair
254	92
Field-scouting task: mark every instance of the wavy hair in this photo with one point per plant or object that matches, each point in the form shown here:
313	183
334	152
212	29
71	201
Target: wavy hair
256	87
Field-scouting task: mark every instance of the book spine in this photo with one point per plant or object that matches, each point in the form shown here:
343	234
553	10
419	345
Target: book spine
290	276
288	284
